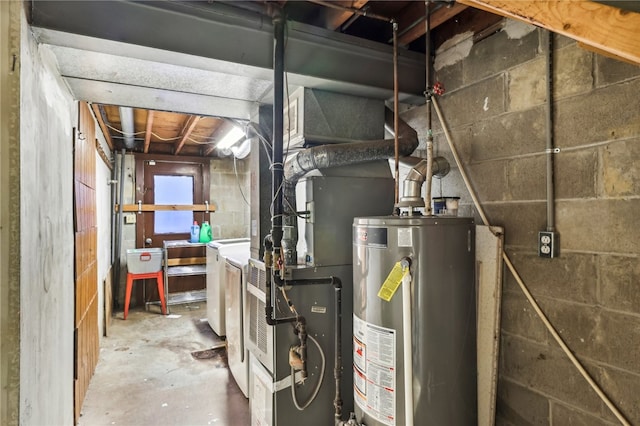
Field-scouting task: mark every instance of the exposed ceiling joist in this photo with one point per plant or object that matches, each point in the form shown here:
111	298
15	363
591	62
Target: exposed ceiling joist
105	131
607	29
208	150
336	18
147	132
189	125
411	23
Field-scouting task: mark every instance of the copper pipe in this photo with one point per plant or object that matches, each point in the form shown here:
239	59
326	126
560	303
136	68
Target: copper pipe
395	109
352	10
428	94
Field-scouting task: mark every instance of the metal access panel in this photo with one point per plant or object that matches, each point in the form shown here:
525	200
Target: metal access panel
316	303
332	203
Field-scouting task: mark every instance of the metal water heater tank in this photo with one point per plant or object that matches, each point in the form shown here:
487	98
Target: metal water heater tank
441	251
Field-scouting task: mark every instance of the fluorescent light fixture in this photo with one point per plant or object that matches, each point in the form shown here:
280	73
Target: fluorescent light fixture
231	138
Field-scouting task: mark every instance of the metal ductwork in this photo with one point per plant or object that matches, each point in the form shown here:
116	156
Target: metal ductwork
128	128
344	154
335	155
412	185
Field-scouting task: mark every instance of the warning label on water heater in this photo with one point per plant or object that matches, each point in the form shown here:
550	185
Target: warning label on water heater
374	370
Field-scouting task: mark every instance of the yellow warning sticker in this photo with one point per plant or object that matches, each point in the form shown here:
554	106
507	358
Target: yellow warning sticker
391	284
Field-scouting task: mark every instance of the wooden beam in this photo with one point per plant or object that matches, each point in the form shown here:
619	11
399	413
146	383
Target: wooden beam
211	147
604	28
336	18
97	112
189	125
147	133
166	207
438	17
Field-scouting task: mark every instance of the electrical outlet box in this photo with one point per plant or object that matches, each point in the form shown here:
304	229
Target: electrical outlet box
129	218
547	244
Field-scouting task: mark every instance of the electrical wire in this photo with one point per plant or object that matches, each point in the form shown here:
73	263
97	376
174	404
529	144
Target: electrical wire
523	287
235	169
314	394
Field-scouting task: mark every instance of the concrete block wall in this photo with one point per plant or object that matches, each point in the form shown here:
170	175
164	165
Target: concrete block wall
494	107
230	194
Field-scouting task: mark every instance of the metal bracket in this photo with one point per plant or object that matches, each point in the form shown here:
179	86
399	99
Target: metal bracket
552	151
139	206
206	203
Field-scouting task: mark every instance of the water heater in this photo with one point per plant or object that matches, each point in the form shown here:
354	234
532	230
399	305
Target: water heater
441	279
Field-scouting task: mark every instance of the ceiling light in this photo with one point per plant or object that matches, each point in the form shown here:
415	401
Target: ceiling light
231	138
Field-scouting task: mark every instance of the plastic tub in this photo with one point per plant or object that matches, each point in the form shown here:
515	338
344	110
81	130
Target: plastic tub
144	261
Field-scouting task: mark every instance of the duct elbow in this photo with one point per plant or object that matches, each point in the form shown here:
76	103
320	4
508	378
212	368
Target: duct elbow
412	185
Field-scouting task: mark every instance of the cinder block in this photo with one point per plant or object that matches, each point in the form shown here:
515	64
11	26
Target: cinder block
521	221
463	141
526	178
621	169
519	318
557	278
623	388
474	103
578	324
516	133
549	372
562	415
572	71
521	406
599	225
575	174
620	283
560	41
489	180
604	114
450	76
497	53
615	339
416	117
527	87
609	70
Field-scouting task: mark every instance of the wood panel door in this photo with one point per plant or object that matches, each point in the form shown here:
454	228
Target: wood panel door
86	338
155	177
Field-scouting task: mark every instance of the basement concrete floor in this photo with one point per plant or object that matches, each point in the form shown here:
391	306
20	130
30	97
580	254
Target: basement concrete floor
147	375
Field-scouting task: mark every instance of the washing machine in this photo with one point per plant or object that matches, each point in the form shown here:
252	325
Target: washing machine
216	254
235	306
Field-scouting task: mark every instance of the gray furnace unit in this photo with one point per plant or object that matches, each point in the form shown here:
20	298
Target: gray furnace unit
331	200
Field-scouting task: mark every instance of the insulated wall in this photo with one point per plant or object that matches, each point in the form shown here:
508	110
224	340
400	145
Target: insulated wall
494	106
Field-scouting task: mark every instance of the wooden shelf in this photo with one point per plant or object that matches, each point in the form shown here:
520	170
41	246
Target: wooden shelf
192	265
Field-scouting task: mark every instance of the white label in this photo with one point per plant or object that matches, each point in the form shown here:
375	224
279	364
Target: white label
319	309
374	370
404	237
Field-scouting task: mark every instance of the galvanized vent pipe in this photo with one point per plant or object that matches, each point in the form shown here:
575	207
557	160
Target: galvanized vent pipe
128	128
